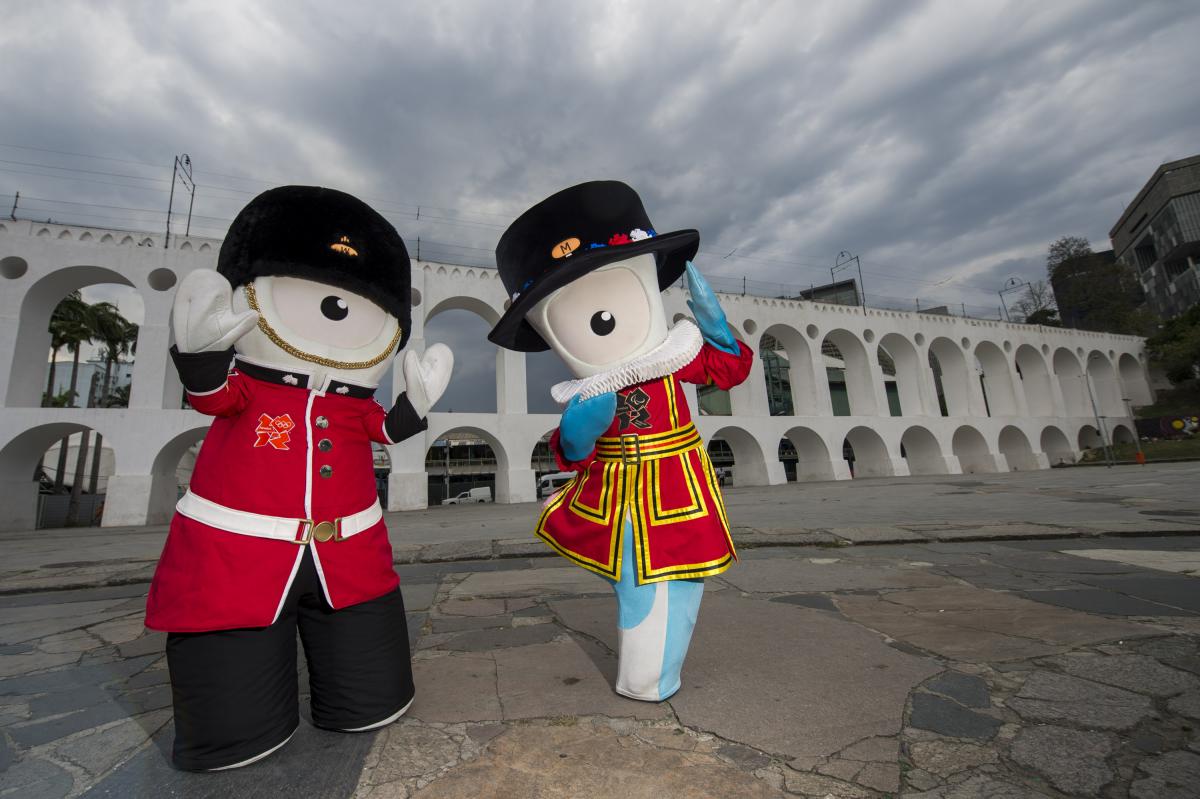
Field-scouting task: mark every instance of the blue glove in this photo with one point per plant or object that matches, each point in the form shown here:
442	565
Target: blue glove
583	422
709	316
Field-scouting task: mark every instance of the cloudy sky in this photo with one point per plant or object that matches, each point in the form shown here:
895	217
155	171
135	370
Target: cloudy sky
946	143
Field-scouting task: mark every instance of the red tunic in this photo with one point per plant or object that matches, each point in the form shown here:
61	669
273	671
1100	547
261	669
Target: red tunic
650	463
278	450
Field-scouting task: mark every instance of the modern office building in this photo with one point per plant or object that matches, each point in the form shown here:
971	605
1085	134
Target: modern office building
1158	237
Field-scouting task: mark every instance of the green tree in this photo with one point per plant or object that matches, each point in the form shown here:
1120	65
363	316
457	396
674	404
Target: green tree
1065	249
1176	347
71	324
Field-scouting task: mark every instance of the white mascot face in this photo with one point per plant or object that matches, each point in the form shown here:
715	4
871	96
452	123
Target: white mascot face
317	321
604	318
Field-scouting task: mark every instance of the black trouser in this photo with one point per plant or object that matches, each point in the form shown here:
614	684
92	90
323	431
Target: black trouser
234	691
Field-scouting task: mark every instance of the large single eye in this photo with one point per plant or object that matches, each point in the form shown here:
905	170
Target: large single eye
335	308
603	323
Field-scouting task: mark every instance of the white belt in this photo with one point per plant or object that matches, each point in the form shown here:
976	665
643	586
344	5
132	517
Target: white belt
299	531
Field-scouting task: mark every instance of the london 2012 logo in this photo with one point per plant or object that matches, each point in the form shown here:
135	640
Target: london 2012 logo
274	431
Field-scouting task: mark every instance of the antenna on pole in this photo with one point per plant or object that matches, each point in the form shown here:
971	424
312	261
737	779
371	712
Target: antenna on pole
13	213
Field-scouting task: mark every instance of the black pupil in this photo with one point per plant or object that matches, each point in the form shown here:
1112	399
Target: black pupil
335	308
603	323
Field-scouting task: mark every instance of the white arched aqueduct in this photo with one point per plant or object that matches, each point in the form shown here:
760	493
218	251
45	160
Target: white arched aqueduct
853	392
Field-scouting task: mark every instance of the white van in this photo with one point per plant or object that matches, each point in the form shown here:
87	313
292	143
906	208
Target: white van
483	494
552	482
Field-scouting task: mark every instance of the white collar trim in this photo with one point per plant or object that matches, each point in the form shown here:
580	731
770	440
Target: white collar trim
678	349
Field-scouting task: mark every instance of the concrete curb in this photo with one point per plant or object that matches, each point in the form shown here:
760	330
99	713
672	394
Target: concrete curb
746	538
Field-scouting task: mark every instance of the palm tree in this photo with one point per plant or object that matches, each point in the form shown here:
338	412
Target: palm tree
71	324
68	321
118	336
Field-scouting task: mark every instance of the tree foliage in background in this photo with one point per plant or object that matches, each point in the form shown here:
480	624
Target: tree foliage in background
1094	291
1065	249
1176	348
1037	305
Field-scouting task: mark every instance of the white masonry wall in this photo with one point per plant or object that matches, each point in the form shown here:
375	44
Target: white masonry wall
1040	383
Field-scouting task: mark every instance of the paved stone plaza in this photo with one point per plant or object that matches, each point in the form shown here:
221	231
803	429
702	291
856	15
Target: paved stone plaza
1022	635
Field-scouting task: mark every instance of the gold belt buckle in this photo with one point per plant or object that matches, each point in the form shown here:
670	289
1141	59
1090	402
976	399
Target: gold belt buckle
637	449
324	531
319	531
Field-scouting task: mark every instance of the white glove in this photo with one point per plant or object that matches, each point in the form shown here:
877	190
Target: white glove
427	377
203	317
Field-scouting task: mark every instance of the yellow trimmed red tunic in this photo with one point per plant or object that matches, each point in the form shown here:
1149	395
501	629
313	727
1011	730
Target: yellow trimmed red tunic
650	464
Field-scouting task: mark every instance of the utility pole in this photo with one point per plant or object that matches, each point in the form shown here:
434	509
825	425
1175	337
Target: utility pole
181	170
1137	438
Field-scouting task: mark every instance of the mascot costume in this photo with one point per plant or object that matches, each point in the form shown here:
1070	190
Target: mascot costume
584	270
281	529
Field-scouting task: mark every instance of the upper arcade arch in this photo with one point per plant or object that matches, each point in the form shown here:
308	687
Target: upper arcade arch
1071	383
26	378
997	380
1035	381
951	374
788	371
909	374
856	368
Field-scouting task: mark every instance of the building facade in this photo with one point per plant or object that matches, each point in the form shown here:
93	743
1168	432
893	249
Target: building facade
1158	237
970	395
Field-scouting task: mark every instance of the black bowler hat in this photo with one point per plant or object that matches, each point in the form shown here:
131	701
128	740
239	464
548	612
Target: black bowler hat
570	234
324	235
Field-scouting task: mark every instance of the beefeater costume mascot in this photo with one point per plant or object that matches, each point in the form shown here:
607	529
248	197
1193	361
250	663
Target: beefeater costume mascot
584	270
281	530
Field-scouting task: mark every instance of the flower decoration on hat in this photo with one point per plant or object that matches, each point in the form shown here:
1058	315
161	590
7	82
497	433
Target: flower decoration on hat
619	238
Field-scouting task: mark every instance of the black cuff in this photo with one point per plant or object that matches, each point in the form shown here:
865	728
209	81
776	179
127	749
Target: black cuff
402	420
201	372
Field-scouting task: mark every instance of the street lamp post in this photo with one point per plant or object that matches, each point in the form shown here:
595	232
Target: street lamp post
843	262
1012	284
1087	379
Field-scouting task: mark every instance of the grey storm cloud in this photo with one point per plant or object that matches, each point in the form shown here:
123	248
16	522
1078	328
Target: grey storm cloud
946	143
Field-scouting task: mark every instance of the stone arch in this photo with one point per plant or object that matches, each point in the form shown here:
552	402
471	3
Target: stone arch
922	451
1089	437
1121	434
541	457
457	475
64	235
870	453
1014	446
750	464
1071	383
1105	388
788	370
86	236
27	378
949	368
44	233
1057	446
205	247
18	464
997	380
164	487
473	366
908	372
971	449
812	455
843	351
1035	381
1133	381
126	241
107	238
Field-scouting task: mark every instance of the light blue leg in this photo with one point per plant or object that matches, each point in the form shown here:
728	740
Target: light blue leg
683	606
654	627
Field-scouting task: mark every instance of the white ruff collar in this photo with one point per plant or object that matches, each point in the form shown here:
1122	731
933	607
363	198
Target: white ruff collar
678	349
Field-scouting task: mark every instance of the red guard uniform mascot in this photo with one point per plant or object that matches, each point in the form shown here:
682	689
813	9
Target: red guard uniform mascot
281	529
584	269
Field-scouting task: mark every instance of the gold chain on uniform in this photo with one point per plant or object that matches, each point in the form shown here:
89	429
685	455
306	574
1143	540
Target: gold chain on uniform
278	341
